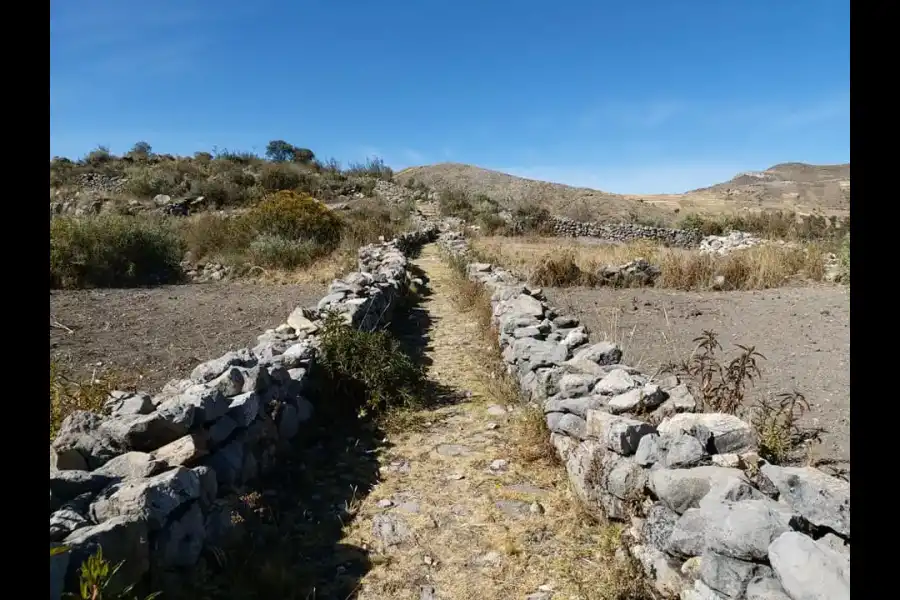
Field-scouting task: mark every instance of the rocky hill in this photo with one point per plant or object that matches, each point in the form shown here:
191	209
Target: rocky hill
796	187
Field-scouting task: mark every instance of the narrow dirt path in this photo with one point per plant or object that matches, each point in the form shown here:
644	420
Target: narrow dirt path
457	514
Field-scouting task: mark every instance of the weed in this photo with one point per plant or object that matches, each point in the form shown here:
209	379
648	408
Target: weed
775	421
722	388
97	578
367	372
561	271
68	395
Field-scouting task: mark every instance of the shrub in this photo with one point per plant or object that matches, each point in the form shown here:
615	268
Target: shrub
844	256
282	253
276	177
295	217
367	371
113	251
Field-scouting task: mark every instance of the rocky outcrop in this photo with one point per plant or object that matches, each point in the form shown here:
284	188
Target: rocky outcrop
707	517
149	479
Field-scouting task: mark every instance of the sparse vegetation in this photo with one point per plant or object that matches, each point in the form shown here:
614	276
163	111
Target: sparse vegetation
367	370
723	386
68	395
97	578
113	251
555	262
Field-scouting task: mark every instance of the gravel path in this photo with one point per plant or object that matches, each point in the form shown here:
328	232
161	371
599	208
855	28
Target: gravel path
804	332
163	332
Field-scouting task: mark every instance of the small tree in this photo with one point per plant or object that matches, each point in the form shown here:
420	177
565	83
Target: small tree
303	155
141	150
279	151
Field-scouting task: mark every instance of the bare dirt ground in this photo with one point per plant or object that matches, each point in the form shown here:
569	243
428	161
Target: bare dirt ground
162	333
804	333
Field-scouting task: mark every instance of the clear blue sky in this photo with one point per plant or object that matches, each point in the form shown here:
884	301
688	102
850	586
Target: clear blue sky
630	97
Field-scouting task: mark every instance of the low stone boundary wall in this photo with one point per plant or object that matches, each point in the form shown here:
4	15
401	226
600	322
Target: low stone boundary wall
626	232
147	480
707	518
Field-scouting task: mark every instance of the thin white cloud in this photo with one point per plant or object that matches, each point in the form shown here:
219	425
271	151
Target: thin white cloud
634	114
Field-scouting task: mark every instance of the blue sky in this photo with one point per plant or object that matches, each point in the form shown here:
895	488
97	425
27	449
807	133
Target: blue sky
630	97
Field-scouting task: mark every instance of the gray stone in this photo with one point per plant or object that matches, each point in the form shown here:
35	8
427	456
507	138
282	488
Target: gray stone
688	536
209	370
765	587
123	538
230	383
524	305
617	382
648	451
180	543
817	497
194	407
622	477
658	526
514	508
637	400
574	385
662	570
701	591
221	430
209	486
744	530
288	422
244	408
806	570
601	353
304	408
834	543
143	433
80	444
299	321
525	332
538	353
128	403
65	521
564	322
682	451
620	434
681	489
132	465
729	576
65	485
228	463
729	433
185	451
152	499
730	489
567	424
297	355
452	450
681	399
575	406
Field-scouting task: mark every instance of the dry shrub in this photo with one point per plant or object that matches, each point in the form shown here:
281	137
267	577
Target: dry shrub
561	270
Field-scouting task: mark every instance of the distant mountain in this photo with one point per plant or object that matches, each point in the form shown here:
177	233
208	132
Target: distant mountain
794	187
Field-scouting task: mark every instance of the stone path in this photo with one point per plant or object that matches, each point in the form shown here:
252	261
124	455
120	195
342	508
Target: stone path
457	514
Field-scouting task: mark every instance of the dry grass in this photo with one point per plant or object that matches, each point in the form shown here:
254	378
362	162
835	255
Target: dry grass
68	395
556	262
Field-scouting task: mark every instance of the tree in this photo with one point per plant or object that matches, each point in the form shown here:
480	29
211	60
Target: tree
279	151
141	149
303	155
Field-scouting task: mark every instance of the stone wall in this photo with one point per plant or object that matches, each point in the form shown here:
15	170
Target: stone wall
626	232
148	480
706	517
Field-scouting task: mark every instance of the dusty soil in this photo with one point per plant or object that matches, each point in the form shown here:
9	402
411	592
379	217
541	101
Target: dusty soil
804	333
162	333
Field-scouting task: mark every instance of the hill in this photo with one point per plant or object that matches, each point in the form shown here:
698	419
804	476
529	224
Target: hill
795	187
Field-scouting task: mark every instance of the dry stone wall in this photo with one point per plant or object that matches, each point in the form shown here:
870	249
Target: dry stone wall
147	480
707	518
626	232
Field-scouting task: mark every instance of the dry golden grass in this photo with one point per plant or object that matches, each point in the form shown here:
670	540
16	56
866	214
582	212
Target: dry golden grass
562	262
68	395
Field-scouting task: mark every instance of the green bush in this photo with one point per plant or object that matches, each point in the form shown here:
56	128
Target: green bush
295	217
113	251
279	176
367	371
